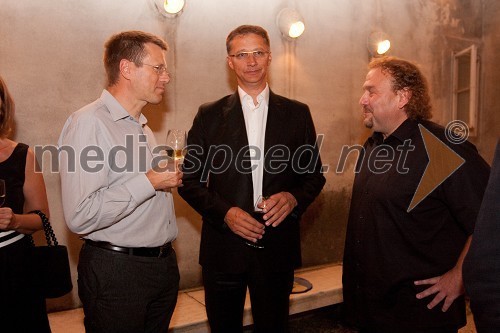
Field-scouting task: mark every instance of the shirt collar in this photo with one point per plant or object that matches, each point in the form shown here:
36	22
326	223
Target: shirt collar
116	109
262	97
403	132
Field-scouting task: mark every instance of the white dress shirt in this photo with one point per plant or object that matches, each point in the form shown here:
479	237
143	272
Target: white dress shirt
115	202
255	123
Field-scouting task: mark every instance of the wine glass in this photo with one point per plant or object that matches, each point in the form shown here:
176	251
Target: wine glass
258	214
2	192
176	145
260	204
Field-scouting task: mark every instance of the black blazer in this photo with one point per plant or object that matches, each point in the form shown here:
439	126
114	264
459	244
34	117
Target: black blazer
481	268
217	176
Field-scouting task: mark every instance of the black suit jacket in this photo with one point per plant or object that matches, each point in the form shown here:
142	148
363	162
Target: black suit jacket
217	176
481	268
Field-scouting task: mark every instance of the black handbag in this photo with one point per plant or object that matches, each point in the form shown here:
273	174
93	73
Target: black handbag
51	264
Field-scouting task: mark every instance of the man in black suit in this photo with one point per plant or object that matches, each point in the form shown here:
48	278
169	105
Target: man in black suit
244	145
481	268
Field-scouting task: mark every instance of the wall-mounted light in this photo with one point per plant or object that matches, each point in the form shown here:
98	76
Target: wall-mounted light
378	43
169	7
290	23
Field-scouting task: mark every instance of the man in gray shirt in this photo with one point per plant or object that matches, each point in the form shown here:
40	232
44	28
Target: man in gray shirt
118	199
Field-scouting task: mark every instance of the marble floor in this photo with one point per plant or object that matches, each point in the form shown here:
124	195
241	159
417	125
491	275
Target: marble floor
323	320
316	311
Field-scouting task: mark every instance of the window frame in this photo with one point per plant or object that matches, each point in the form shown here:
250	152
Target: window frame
473	88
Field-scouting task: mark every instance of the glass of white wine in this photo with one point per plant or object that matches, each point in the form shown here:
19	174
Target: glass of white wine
2	192
176	145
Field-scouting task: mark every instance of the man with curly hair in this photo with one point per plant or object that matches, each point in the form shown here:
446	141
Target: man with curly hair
398	254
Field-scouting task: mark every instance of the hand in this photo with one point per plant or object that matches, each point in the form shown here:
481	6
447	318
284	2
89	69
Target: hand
243	224
448	287
7	219
163	179
278	207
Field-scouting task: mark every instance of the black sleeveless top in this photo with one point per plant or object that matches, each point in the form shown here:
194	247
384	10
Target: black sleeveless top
12	171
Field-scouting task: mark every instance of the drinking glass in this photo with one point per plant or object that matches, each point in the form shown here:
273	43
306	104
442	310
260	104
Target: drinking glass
176	144
261	201
258	214
2	192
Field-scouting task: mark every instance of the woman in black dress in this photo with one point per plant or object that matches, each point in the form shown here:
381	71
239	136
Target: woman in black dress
22	307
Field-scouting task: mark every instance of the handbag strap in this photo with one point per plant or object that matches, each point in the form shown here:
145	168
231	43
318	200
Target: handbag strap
47	228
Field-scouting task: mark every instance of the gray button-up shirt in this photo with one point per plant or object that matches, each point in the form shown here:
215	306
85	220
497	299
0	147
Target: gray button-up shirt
104	154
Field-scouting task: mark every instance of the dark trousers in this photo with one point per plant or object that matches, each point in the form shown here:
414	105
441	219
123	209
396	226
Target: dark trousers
123	293
269	295
22	306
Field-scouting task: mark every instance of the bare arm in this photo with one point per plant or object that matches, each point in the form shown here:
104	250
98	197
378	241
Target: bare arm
35	198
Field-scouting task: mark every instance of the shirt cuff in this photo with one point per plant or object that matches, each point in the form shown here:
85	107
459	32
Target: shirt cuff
140	188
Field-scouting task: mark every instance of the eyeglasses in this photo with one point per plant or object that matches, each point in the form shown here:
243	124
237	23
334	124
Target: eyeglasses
247	54
159	69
